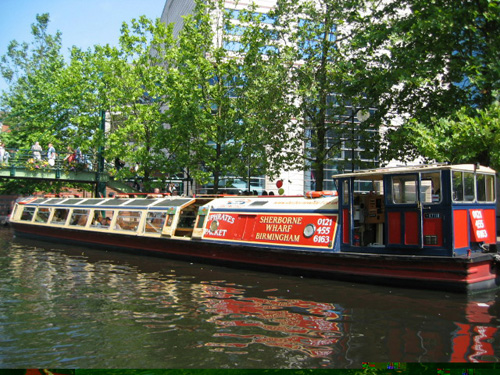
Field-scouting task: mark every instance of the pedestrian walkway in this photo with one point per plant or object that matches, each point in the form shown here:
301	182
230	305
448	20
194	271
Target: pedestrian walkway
22	165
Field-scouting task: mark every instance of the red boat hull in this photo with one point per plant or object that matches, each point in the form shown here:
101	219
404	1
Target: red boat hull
459	274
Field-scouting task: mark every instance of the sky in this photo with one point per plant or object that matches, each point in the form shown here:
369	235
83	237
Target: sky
83	23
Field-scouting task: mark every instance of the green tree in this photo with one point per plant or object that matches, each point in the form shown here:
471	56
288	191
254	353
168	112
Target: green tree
32	72
82	102
133	84
437	65
327	95
223	117
467	136
265	101
39	103
48	99
53	101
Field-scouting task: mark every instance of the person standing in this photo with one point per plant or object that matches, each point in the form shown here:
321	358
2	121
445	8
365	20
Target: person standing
51	155
172	189
6	156
78	155
2	152
37	151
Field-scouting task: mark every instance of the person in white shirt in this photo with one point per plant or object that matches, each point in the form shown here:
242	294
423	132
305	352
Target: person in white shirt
51	155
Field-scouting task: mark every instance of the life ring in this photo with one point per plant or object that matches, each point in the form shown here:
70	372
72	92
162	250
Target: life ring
320	194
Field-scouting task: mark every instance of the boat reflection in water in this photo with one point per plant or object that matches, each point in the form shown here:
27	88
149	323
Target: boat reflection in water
312	328
336	332
176	314
472	341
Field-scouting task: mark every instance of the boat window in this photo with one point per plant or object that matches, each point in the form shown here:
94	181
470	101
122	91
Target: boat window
430	187
258	203
154	222
42	215
138	202
71	201
368	186
463	186
100	220
172	202
55	200
404	189
485	187
79	217
170	219
469	186
108	215
28	213
187	218
60	216
128	220
201	221
458	187
345	200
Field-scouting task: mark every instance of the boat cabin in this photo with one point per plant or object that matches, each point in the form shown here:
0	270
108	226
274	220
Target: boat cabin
150	217
442	210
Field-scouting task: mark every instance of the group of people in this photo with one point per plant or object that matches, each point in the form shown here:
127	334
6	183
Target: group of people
71	155
170	189
103	221
51	153
37	153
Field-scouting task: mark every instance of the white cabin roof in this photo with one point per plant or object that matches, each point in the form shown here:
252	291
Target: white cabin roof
275	203
377	173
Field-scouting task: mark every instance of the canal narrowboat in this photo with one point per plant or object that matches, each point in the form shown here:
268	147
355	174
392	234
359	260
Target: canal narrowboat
426	226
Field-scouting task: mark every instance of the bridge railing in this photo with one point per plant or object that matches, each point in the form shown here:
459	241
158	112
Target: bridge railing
28	160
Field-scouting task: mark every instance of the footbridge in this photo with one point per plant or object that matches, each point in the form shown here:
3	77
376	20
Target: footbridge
22	164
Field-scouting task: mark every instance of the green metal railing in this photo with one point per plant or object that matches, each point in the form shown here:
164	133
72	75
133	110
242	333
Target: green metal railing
24	164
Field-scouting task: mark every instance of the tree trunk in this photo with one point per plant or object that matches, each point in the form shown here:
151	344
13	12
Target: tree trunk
319	162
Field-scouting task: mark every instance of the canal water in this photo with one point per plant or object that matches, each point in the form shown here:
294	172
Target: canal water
75	307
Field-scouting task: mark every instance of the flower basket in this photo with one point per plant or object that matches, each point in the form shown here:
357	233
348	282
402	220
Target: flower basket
34	165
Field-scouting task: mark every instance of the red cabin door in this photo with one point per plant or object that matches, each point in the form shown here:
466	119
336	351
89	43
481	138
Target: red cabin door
404	211
345	211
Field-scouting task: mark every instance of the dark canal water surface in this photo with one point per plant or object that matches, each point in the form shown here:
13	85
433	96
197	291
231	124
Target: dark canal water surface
74	307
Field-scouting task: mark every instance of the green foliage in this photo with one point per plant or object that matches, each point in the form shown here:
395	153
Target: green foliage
223	110
33	71
134	80
465	137
437	65
209	106
40	101
188	106
312	43
30	187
